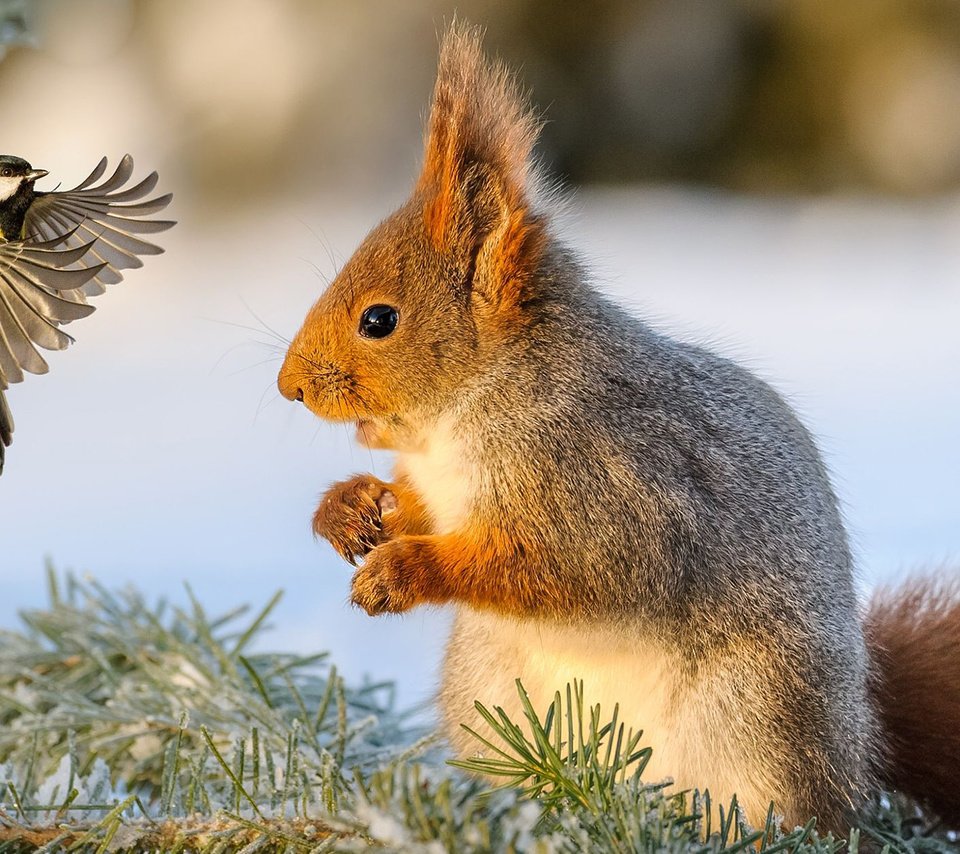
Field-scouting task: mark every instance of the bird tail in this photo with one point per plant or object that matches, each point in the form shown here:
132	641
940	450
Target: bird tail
6	426
913	632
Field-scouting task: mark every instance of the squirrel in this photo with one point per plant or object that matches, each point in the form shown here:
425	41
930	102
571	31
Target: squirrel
598	501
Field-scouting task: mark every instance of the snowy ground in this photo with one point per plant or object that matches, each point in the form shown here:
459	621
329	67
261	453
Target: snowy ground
157	452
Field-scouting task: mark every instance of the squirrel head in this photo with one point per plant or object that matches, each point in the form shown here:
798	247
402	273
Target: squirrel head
447	278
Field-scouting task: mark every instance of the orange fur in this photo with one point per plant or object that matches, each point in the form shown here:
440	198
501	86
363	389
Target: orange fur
473	567
469	238
513	259
914	635
351	518
477	179
478	115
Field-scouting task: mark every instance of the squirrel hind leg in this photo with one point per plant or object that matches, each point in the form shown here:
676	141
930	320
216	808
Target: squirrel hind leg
913	632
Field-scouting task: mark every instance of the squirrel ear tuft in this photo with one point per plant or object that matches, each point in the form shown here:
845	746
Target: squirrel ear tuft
478	179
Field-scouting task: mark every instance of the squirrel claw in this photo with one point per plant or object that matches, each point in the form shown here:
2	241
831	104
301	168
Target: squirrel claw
380	585
373	607
349	517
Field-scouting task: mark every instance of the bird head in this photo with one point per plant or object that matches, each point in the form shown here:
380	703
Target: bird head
15	173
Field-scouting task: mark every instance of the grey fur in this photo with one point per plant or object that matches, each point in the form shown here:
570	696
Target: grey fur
681	497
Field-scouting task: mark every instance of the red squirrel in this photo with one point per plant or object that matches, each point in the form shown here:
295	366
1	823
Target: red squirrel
600	502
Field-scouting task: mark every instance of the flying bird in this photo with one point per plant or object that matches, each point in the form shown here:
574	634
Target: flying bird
58	248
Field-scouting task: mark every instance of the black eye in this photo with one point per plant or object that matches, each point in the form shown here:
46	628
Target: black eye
378	321
7	173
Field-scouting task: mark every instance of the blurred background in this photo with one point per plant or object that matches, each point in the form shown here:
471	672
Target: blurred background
778	180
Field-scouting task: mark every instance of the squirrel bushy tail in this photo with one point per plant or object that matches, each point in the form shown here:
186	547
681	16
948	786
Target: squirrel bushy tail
913	632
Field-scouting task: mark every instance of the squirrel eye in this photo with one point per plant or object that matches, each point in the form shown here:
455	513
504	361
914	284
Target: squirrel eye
378	321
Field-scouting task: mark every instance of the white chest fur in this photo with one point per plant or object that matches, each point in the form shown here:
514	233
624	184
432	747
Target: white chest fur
442	475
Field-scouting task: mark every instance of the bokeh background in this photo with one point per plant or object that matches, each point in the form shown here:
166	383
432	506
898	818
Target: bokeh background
778	180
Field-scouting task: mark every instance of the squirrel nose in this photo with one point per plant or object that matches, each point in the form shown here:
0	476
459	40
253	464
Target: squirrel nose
288	388
291	392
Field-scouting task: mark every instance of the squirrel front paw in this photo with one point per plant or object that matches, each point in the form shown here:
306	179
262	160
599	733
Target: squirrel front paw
351	516
387	581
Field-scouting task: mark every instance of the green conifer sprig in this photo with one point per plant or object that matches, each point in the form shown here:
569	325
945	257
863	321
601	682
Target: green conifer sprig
576	765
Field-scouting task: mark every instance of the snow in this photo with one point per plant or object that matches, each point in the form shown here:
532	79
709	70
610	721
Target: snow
94	788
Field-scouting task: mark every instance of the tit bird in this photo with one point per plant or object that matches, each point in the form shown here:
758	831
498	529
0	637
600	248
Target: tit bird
58	248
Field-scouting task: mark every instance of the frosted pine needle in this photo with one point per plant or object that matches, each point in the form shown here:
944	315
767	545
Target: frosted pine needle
128	727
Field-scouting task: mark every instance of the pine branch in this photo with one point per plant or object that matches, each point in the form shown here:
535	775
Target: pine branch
128	727
186	835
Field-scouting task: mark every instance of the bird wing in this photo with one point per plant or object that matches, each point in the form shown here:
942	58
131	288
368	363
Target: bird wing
75	243
110	215
38	292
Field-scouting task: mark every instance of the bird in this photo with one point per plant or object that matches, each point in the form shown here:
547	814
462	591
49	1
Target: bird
57	248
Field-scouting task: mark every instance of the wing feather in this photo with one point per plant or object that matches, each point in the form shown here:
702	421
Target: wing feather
22	354
120	176
95	175
108	214
148	207
137	191
36	296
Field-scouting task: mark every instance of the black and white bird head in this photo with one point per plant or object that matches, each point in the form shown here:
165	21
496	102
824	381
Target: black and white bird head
16	173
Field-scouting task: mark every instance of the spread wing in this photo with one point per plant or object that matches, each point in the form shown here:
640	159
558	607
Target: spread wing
76	242
110	215
38	292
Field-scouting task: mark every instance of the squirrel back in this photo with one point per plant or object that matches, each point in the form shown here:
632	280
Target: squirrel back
595	499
